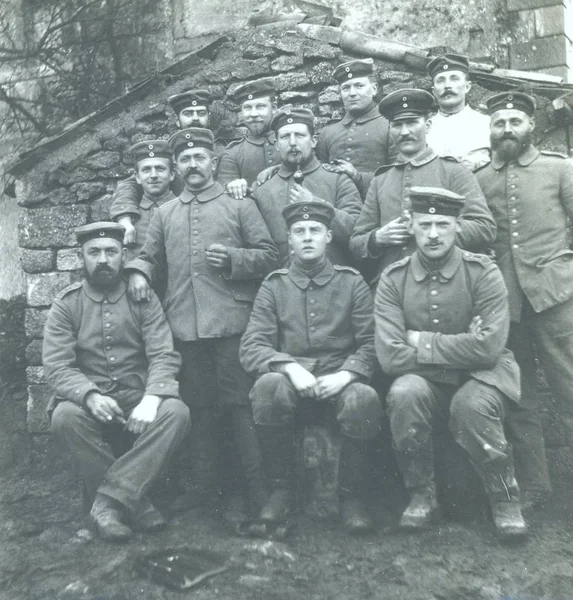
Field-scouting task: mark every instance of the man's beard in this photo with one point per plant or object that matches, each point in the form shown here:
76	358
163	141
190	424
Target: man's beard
511	146
103	278
258	128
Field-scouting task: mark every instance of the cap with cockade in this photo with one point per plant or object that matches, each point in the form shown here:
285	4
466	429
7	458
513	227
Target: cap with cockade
255	89
192	137
99	230
190	98
316	210
406	103
151	149
292	114
430	200
448	62
353	68
509	100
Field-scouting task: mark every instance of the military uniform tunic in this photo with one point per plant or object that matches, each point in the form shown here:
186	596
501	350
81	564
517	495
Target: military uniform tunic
246	158
337	189
388	198
363	141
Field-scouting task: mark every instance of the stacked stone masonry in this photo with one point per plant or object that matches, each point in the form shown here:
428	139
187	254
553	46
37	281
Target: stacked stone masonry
73	183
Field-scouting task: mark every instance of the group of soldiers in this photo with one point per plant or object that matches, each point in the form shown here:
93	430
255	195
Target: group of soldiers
275	280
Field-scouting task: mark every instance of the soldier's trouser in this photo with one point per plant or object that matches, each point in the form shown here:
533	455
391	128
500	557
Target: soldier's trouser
552	332
213	377
275	403
475	413
128	478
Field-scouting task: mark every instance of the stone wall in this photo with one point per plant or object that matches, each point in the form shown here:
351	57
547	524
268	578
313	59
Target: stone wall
73	181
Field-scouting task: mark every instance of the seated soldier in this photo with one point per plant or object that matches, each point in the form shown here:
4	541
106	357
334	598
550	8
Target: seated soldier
192	109
442	321
113	368
310	343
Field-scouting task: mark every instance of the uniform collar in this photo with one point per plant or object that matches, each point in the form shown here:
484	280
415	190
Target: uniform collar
209	193
424	157
368	115
302	280
445	115
148	201
420	273
268	138
312	165
99	296
523	160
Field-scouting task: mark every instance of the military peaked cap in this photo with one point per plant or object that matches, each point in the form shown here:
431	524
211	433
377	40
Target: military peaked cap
448	62
406	103
188	99
292	114
509	100
353	68
101	229
192	137
430	200
255	89
317	210
150	149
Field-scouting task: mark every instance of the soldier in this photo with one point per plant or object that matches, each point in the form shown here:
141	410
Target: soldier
359	143
302	177
530	194
456	129
442	321
113	368
244	159
310	343
215	250
192	110
382	230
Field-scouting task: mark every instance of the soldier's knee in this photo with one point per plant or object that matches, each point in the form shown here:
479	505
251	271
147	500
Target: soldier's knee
177	412
471	404
360	411
272	400
407	393
66	416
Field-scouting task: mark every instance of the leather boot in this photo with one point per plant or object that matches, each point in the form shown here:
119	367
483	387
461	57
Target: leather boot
351	478
277	443
418	472
107	517
503	493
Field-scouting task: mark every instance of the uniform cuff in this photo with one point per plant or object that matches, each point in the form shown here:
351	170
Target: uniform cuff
425	355
80	394
358	366
163	389
374	250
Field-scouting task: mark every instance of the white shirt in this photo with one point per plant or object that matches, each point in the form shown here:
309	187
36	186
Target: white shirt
464	135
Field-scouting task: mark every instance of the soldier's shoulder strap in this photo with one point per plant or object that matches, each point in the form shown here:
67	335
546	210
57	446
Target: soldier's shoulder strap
234	143
395	266
481	259
551	153
276	272
478	169
69	289
451	158
347	269
383	169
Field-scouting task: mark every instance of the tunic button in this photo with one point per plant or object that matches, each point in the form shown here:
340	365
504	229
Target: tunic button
433	293
513	198
112	358
107	325
105	301
312	301
434	306
114	377
312	314
196	202
434	278
194	251
516	246
195	220
108	337
195	274
512	186
161	385
313	328
514	221
435	321
77	392
514	210
108	347
515	234
428	346
195	232
106	313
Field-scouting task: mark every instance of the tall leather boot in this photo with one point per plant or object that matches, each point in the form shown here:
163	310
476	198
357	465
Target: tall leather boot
277	444
503	493
418	472
352	472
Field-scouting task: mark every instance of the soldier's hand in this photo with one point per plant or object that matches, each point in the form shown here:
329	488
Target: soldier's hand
412	338
217	256
394	233
303	381
266	174
475	325
138	287
130	235
299	194
328	386
143	414
338	165
237	188
103	408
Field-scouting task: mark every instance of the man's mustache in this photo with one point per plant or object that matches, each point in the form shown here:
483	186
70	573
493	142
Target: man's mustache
103	268
192	171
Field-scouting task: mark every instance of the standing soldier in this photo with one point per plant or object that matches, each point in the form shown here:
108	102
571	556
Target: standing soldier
359	143
530	194
302	177
113	368
192	110
244	159
382	230
456	129
442	321
215	251
310	342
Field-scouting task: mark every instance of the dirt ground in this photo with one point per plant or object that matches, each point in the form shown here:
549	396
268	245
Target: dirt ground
45	553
